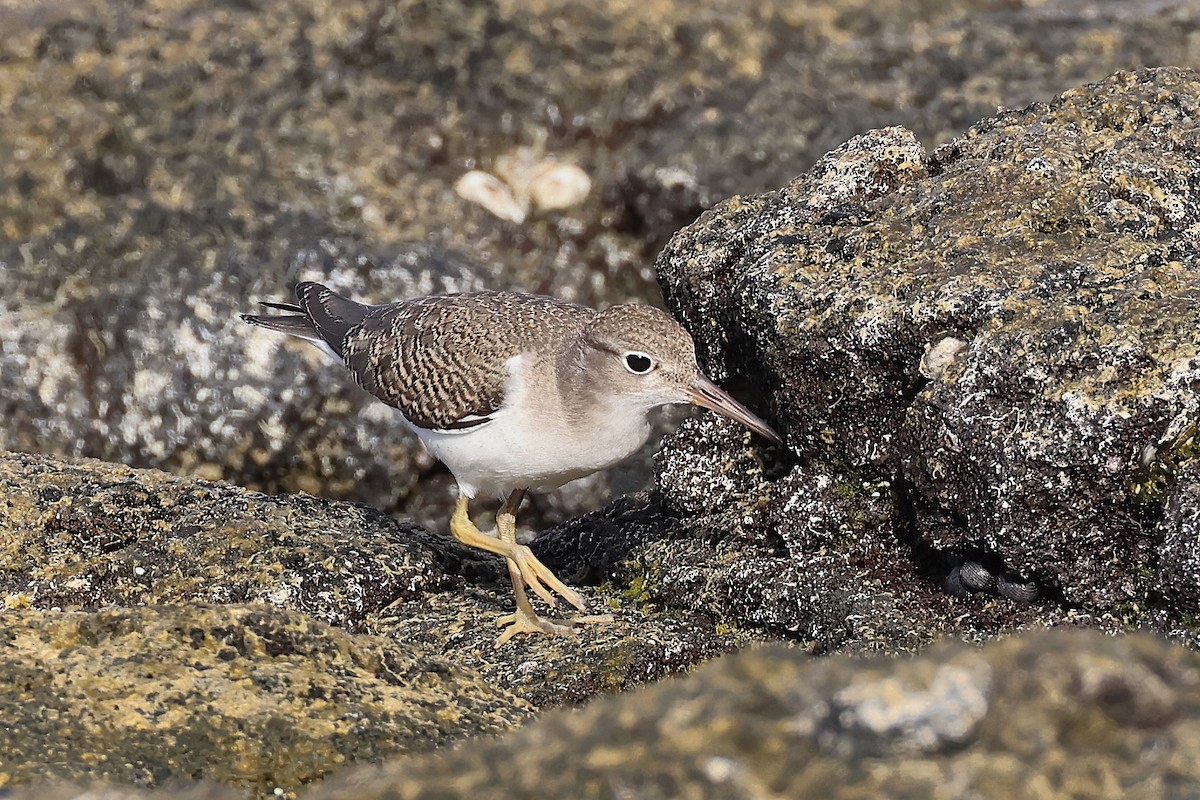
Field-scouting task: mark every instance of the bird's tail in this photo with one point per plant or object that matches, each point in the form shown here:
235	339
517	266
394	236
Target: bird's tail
330	315
293	324
321	317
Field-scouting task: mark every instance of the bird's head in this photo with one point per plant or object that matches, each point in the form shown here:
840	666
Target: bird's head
643	356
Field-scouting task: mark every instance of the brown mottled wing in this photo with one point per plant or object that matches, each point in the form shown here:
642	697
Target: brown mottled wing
441	360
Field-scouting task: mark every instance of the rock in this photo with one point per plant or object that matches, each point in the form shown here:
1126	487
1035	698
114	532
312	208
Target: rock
975	347
1180	557
87	535
166	169
775	720
161	372
760	546
796	82
254	697
92	534
1061	711
202	790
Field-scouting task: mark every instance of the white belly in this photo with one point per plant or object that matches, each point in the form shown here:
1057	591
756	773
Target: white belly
521	451
532	442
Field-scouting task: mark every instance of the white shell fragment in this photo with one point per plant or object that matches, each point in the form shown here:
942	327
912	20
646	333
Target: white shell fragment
493	194
525	179
556	186
939	356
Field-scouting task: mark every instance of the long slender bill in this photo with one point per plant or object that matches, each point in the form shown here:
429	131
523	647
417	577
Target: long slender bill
708	394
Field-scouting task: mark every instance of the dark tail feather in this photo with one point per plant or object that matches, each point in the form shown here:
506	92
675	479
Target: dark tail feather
292	307
331	316
292	324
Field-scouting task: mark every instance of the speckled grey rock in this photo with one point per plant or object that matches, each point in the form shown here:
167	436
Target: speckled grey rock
255	697
1066	714
94	790
1180	574
1100	717
150	365
92	534
999	330
758	543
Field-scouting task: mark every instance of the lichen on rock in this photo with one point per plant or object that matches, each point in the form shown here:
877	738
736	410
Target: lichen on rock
998	329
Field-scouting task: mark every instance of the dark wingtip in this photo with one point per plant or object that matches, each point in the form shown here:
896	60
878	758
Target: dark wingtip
290	307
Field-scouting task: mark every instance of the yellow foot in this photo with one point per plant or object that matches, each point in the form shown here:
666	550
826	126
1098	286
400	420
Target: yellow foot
535	572
524	622
521	622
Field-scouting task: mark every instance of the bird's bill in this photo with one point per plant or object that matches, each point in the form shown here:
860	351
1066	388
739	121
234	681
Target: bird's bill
707	394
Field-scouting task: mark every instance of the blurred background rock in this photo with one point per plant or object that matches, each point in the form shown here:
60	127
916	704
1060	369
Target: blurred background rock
165	164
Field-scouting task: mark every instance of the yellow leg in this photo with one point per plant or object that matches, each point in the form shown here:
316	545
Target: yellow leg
525	619
523	568
533	572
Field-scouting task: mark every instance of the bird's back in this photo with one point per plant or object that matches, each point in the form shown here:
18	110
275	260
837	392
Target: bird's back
440	360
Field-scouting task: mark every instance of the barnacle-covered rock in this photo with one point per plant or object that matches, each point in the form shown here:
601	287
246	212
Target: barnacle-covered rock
1053	712
251	696
1005	329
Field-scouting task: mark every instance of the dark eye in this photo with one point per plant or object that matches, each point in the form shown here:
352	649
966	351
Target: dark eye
638	363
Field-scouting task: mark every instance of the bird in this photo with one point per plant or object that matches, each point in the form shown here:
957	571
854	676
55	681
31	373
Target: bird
512	391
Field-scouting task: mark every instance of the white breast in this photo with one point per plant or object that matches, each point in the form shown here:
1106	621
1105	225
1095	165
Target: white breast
529	442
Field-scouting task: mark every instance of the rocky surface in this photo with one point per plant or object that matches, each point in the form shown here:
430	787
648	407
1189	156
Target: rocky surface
979	345
1180	559
762	547
86	535
253	696
162	167
1060	714
64	790
211	593
93	534
1065	713
986	354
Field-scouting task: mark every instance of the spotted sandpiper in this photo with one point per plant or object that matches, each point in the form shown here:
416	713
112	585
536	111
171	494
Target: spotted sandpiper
512	391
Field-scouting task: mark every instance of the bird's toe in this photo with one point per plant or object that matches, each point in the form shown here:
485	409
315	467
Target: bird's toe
524	622
538	576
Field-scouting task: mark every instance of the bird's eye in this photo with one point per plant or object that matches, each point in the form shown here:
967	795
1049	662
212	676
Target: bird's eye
638	363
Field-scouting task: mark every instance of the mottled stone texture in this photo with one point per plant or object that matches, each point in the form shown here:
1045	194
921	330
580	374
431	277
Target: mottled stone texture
253	696
1180	559
89	534
746	538
92	534
1058	714
165	164
1062	714
1000	335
